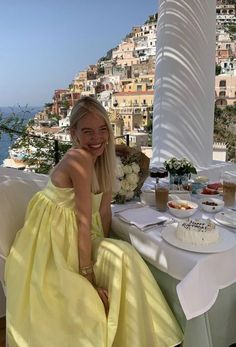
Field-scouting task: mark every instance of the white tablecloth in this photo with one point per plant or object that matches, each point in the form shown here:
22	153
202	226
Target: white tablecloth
201	275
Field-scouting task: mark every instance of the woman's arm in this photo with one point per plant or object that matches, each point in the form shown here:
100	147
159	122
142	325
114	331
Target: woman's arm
80	171
105	212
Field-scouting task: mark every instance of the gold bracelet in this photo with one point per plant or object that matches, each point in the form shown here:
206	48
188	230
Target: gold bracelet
86	270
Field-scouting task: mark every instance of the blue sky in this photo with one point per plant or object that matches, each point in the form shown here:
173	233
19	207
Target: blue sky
45	43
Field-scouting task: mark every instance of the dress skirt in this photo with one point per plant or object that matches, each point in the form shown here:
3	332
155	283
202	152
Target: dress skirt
50	304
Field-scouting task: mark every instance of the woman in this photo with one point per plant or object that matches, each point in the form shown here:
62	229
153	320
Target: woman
67	285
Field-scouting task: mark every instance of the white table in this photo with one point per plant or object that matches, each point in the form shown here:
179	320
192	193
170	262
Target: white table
197	278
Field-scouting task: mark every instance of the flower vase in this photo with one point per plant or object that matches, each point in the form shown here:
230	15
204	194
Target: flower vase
178	181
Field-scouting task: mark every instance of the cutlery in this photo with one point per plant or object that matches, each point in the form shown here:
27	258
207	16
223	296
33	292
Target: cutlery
162	223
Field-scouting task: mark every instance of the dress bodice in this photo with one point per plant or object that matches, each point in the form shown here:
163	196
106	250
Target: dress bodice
65	197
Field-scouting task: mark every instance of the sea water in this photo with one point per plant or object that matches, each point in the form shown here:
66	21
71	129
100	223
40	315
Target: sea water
25	113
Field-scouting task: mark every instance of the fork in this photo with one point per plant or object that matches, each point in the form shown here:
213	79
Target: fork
163	223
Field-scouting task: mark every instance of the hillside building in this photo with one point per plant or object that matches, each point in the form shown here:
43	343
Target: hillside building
135	107
225	90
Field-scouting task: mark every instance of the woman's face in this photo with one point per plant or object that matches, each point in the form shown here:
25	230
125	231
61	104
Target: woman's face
92	133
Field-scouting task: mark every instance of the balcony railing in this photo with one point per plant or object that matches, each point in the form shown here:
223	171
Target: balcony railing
57	154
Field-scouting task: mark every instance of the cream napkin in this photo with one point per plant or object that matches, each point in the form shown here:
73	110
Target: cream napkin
142	217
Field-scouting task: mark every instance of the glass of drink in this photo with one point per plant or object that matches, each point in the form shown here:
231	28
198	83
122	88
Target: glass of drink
158	172
161	195
229	188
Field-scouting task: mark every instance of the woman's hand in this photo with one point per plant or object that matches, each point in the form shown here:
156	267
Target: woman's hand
103	293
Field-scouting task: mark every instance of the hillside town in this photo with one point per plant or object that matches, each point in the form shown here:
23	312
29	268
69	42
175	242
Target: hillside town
123	81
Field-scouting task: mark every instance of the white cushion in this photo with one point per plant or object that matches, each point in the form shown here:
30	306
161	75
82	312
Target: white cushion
7	174
14	198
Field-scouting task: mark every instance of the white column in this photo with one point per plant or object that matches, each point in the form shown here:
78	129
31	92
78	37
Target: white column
185	81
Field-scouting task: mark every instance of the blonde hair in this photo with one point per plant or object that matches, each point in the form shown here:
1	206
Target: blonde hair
104	169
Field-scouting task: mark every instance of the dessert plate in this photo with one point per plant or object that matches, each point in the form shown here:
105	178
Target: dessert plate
226	241
227	218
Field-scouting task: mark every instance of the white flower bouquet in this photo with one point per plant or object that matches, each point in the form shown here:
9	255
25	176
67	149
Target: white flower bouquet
179	166
131	172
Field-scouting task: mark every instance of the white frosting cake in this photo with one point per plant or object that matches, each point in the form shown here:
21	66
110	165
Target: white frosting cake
197	232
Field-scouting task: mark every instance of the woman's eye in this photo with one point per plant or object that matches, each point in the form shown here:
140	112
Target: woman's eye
104	129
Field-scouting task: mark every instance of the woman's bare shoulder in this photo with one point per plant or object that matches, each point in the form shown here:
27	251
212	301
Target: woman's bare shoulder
77	159
78	153
72	167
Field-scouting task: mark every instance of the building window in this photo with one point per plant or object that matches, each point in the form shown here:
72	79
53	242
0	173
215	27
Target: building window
222	94
139	87
222	83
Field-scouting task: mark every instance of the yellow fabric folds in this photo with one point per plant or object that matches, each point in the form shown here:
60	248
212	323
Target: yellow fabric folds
50	304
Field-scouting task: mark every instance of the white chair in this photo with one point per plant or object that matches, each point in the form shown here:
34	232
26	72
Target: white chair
14	198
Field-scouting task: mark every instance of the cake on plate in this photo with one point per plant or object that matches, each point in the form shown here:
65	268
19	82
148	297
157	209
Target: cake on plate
197	232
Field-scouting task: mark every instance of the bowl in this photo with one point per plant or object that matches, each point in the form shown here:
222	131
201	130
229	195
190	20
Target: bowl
182	208
211	204
208	193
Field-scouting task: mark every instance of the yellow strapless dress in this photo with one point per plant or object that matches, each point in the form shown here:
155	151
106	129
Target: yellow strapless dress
50	305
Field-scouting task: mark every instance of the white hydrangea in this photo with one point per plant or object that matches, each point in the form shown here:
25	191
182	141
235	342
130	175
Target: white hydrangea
125	185
132	186
127	169
119	168
132	178
127	179
135	168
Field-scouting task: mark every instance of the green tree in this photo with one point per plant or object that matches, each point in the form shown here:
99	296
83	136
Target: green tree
40	152
65	104
148	127
224	129
232	28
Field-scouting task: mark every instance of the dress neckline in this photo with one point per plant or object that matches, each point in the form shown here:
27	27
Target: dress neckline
53	184
70	188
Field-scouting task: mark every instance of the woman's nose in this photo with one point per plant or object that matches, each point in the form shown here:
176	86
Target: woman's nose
96	134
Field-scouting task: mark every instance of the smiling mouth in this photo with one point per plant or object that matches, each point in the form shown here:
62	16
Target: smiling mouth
96	146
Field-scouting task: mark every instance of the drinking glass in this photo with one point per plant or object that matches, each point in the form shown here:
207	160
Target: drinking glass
229	188
161	195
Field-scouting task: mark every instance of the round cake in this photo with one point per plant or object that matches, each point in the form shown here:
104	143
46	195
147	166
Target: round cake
197	232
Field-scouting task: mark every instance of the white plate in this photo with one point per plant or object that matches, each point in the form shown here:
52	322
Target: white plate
226	218
226	241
